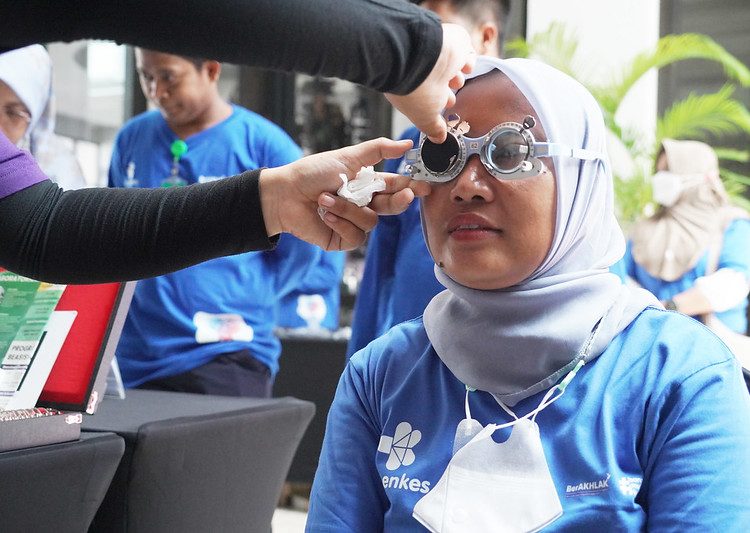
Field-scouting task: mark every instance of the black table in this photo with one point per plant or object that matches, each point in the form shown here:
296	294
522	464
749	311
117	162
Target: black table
310	370
197	463
57	487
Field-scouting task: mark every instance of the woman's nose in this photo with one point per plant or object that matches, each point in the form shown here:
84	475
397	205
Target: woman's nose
472	184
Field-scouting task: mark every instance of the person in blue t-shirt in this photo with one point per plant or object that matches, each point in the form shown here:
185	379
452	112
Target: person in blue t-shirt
208	328
537	392
397	282
693	252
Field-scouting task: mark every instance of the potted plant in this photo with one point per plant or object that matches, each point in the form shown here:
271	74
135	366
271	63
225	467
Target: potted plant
711	116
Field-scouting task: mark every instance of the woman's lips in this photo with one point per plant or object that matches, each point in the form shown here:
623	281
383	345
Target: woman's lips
470	226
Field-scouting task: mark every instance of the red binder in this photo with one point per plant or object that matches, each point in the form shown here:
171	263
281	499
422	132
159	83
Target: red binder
79	375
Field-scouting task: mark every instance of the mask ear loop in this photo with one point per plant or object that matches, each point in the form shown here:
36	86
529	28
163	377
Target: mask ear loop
550	397
507	410
466	402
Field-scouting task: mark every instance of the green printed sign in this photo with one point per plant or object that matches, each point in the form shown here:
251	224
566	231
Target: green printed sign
25	308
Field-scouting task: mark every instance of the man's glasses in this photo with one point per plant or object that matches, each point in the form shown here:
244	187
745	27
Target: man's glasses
508	152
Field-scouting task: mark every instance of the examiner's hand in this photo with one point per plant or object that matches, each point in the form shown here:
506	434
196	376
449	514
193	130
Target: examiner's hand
291	195
425	104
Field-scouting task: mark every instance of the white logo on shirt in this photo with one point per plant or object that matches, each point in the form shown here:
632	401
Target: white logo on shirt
587	488
399	450
399	447
630	486
222	327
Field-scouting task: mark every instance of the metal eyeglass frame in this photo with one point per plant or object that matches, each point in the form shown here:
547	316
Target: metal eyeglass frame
468	146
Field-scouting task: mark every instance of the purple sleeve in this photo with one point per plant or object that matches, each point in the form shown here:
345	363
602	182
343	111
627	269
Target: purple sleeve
17	168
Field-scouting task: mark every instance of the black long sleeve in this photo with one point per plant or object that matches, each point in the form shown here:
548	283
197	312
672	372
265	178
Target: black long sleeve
99	235
387	45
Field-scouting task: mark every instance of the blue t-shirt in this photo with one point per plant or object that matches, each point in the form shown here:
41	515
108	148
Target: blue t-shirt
653	434
319	296
399	278
182	320
735	254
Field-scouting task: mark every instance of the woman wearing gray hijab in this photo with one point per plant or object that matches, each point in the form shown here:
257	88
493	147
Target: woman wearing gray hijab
537	391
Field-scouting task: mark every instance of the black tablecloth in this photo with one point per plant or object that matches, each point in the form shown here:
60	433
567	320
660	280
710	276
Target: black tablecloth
57	487
198	463
310	370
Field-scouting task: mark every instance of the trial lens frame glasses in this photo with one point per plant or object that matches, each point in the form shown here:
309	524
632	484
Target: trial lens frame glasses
508	152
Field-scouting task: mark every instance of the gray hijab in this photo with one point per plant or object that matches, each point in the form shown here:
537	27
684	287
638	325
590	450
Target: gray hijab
518	341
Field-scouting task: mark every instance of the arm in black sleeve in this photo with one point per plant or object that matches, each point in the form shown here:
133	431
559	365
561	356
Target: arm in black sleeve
387	45
48	234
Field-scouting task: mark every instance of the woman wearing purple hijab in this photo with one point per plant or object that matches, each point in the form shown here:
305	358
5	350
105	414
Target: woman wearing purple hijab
27	114
537	392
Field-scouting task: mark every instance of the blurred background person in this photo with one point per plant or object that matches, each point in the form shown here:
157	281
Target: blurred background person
325	126
315	306
398	280
208	328
27	114
693	253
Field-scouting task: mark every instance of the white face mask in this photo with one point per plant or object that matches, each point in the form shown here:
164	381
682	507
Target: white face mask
494	487
666	188
497	487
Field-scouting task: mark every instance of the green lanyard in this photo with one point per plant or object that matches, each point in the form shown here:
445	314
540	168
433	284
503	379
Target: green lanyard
178	149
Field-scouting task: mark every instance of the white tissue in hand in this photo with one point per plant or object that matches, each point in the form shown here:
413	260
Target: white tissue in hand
360	190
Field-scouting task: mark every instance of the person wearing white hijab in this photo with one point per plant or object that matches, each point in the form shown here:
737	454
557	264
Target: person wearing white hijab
538	391
27	109
693	253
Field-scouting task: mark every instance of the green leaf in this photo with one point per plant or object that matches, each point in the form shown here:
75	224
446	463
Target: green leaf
557	46
697	115
517	47
730	154
694	117
731	177
742	202
632	197
668	50
736	185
